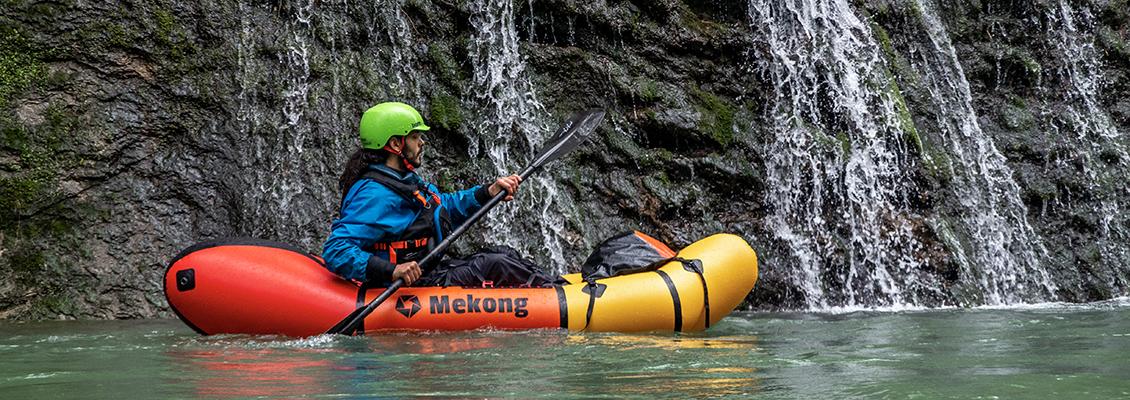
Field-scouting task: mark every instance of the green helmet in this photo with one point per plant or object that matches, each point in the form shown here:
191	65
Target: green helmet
383	121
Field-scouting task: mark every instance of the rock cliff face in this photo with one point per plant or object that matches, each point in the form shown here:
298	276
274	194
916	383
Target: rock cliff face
875	153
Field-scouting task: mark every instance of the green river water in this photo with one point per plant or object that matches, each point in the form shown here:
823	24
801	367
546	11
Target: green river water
1045	351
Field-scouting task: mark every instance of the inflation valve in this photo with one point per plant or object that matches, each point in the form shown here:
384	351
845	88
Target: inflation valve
186	280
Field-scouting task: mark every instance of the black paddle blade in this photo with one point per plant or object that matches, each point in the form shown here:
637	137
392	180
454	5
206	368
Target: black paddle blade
571	134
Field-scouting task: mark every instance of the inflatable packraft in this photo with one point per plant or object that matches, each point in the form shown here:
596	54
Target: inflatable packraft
257	287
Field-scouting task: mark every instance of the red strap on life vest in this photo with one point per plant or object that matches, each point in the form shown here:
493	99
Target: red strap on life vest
403	244
424	200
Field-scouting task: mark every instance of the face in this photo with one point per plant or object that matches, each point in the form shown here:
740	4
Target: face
413	147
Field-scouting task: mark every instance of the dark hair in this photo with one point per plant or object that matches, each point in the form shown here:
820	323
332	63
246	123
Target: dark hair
356	165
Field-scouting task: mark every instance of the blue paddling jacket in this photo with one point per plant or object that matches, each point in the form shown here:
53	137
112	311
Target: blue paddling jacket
389	217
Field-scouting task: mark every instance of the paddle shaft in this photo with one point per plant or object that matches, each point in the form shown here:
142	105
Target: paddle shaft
571	135
436	253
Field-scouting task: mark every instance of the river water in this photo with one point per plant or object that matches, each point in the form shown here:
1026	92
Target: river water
1043	351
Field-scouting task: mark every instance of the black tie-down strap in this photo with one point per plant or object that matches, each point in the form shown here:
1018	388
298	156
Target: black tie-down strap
695	266
361	303
594	290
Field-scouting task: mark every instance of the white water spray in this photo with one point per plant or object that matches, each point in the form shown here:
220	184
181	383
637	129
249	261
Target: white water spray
509	116
1006	257
835	169
1071	33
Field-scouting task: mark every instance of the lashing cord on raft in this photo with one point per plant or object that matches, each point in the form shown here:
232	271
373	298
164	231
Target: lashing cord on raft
695	266
595	290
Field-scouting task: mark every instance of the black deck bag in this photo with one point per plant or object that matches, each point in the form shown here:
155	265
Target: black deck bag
626	253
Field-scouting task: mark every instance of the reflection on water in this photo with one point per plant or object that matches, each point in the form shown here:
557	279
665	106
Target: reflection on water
476	364
670	364
255	373
666	342
1051	352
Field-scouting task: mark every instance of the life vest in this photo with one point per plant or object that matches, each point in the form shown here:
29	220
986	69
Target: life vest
432	221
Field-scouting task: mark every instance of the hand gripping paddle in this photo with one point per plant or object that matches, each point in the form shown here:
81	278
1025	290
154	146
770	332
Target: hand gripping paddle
570	136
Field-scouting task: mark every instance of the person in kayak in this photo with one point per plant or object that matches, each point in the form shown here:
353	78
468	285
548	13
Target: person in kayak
390	217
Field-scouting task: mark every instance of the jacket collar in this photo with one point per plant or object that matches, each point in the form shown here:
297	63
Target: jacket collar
410	177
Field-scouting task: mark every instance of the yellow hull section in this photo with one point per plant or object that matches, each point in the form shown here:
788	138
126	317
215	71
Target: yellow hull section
672	297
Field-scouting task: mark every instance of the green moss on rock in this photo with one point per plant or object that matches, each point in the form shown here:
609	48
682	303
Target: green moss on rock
717	117
647	90
1115	44
905	118
623	144
657	158
446	111
173	40
20	65
845	142
446	68
884	39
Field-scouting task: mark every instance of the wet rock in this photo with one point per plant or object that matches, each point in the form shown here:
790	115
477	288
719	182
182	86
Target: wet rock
131	130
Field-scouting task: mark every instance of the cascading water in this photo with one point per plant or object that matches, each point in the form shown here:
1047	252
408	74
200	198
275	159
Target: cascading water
1091	139
836	167
284	108
509	129
405	82
291	109
1002	260
277	136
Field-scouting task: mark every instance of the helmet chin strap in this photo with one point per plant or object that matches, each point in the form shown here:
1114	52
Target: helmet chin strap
403	160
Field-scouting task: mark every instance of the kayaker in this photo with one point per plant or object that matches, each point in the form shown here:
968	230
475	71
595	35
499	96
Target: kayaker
390	217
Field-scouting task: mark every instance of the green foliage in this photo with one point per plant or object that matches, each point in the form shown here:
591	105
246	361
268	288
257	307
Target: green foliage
24	262
717	117
446	183
54	304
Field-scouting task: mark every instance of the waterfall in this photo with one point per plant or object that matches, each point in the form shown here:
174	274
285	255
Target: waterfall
1088	130
836	167
509	129
277	137
404	82
1004	257
291	109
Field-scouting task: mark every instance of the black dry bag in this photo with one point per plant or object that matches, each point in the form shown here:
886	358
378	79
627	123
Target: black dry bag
626	253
